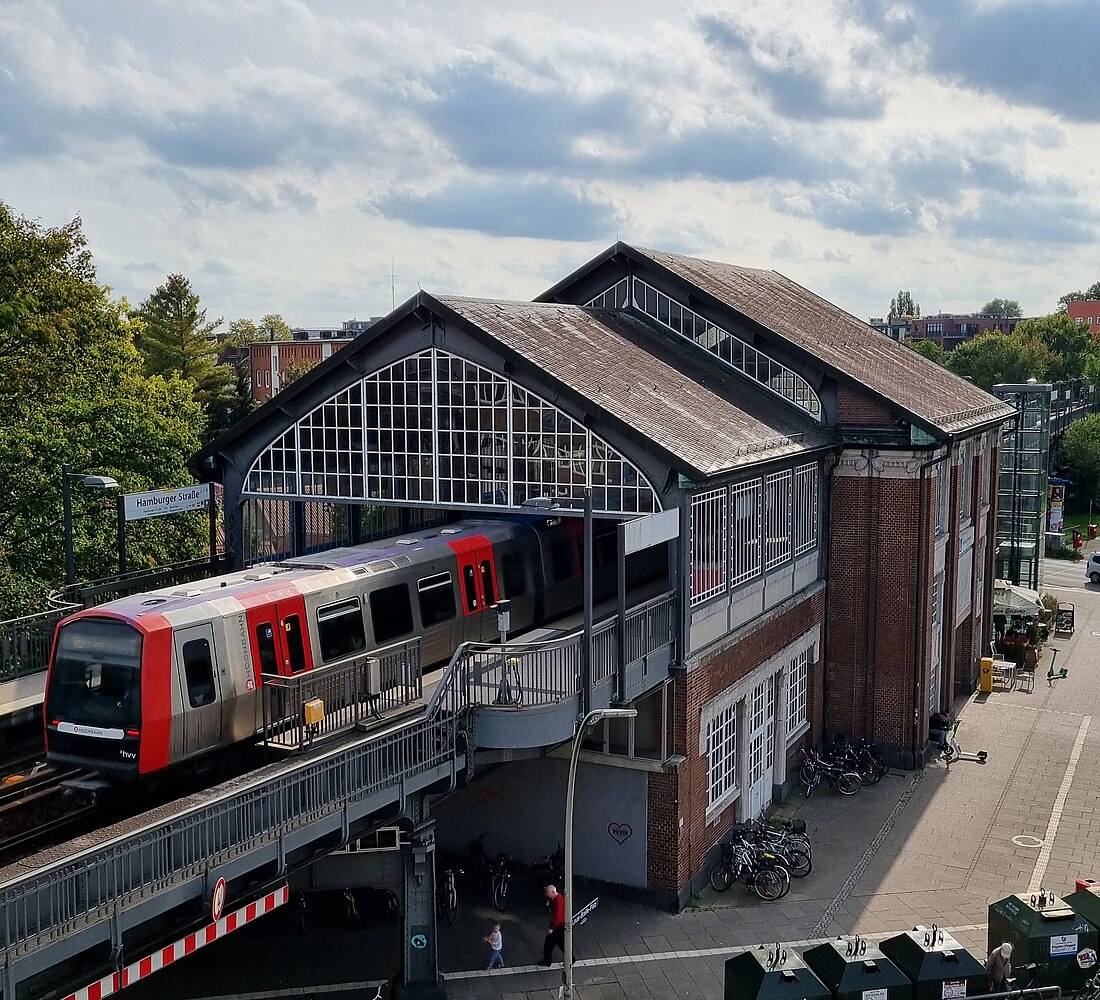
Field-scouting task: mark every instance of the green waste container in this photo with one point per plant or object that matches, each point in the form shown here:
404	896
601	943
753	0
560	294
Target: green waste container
1044	929
772	972
1086	903
936	964
852	969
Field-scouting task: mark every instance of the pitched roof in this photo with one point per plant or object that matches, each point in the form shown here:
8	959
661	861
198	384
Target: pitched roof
843	344
709	422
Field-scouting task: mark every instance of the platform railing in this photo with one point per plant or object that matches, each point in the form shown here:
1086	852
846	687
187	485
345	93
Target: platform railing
25	643
88	886
549	672
350	690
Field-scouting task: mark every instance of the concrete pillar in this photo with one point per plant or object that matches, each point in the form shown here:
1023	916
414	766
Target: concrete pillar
421	979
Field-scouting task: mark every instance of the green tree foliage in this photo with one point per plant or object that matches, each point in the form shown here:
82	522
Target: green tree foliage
243	332
1090	294
73	390
998	357
293	372
929	349
1081	451
1070	344
177	339
1007	308
903	305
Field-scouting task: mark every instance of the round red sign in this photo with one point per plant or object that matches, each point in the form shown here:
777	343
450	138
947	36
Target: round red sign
217	903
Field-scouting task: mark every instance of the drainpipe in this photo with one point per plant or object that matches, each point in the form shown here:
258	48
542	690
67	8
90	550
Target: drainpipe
827	468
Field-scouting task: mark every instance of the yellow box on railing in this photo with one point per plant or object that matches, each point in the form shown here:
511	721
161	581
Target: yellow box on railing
314	711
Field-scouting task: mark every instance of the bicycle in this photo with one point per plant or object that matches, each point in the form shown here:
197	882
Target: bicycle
447	893
864	758
760	871
814	769
790	848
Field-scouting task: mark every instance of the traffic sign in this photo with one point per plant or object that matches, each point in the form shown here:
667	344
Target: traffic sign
217	901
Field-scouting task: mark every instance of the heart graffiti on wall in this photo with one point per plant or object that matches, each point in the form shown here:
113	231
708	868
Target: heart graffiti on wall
620	832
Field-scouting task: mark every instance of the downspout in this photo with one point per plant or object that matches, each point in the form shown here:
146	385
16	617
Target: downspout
827	468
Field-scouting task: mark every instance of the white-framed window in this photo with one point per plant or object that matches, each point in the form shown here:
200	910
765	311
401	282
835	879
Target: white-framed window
966	488
798	685
942	475
777	518
746	510
708	544
804	512
722	755
934	679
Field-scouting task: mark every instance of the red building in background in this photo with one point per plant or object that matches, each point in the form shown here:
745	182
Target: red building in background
270	360
1087	313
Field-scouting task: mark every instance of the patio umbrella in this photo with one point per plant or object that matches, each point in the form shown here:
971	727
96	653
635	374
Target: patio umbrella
1009	599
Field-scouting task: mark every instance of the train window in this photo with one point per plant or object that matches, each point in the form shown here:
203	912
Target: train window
391	612
295	650
198	670
487	587
437	599
514	573
563	563
265	648
469	587
340	630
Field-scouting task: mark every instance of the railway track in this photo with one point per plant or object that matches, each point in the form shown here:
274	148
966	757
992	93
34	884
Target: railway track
34	810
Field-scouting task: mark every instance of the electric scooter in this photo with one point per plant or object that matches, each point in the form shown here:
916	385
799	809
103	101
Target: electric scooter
952	751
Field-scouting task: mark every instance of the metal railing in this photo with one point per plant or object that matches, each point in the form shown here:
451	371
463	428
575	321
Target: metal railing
109	588
91	885
549	672
351	690
25	643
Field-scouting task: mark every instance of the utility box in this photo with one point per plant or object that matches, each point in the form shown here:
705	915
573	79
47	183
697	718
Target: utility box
314	711
1045	929
936	964
373	676
772	973
985	675
852	969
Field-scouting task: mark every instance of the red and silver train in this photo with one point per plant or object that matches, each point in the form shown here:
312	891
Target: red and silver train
153	680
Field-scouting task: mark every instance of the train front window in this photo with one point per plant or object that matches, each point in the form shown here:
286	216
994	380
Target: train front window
96	675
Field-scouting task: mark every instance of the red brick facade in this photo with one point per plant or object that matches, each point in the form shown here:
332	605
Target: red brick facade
852	408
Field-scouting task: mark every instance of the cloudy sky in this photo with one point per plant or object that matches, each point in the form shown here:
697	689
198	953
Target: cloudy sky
291	156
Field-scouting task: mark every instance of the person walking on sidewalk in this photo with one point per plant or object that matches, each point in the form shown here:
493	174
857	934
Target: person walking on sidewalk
999	967
495	940
555	934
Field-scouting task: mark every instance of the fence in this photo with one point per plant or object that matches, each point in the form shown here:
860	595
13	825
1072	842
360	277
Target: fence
25	643
365	685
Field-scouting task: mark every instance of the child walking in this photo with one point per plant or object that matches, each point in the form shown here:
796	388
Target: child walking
496	947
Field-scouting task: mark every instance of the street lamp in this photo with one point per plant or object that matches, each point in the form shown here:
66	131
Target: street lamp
596	715
91	483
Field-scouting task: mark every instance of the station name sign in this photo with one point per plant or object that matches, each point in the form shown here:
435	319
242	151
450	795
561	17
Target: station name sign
157	502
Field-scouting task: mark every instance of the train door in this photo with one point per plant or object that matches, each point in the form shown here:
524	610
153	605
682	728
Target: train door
477	587
280	642
199	680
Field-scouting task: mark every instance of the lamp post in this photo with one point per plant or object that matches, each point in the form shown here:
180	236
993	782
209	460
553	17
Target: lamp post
590	719
91	483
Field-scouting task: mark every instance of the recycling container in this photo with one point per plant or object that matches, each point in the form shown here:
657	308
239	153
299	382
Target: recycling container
1045	929
852	969
772	972
936	964
1086	903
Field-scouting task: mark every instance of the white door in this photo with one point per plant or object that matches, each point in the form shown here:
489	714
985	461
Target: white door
761	744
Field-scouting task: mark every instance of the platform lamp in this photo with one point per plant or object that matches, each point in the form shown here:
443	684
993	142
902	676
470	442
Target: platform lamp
89	482
596	715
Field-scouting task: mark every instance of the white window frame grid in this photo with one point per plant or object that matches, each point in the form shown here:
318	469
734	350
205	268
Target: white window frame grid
747	560
769	709
739	355
805	508
436	428
936	665
777	518
942	475
615	297
722	756
798	690
709	544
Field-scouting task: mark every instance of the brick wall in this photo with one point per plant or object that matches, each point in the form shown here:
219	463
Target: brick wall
677	850
854	408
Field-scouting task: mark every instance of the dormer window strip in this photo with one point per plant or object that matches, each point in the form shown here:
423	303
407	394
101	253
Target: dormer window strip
739	355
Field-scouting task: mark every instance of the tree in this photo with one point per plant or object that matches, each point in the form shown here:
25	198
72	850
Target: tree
294	371
903	305
1081	450
928	349
1090	294
73	390
1070	344
177	339
274	327
1007	308
244	332
996	357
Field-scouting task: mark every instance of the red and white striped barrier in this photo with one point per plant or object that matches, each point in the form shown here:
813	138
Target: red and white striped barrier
184	946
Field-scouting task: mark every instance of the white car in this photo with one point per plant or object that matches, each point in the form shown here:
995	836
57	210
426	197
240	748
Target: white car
1092	568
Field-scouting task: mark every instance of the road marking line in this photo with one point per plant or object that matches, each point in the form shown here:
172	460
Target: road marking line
1059	804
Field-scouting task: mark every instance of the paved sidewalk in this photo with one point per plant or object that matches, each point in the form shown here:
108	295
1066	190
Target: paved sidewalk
935	846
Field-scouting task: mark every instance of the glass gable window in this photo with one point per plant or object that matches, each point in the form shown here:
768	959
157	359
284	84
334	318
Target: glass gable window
436	428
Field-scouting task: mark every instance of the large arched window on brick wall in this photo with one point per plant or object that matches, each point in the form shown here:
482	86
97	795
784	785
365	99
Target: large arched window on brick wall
436	428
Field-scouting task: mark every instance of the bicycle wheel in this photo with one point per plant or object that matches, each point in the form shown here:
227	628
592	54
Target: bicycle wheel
767	884
848	783
868	771
800	842
451	902
806	773
721	877
813	784
799	863
784	878
500	892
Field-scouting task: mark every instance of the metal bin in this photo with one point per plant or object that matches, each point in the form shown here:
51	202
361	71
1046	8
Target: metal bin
852	969
936	964
772	972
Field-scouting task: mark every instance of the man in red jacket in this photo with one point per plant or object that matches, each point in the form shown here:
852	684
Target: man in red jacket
555	934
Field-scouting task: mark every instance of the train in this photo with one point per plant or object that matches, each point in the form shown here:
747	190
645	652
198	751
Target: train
146	683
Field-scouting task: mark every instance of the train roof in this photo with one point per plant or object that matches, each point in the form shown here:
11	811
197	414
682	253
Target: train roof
310	572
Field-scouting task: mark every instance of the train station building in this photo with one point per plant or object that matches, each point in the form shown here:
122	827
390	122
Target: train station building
830	569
